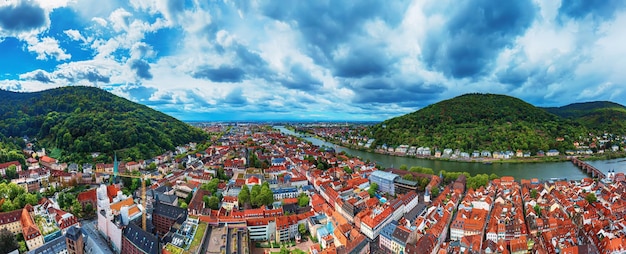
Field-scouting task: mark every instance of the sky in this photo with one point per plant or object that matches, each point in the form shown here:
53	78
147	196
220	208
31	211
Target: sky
362	60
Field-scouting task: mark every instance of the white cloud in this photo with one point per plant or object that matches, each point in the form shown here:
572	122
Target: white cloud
74	35
47	48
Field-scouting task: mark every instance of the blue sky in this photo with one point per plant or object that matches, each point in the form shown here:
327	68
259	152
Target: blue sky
316	60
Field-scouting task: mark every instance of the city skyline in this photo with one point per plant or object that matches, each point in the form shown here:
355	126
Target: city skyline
349	61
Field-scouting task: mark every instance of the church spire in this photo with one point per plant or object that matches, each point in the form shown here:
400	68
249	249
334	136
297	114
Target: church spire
115	167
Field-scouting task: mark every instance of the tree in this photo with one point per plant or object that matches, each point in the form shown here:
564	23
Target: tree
221	174
372	190
135	184
408	177
321	166
188	198
301	229
434	191
537	209
183	204
8	243
244	195
15	190
211	186
267	196
11	172
213	203
347	170
533	193
403	167
591	197
89	210
255	197
493	176
152	166
303	200
7	206
77	209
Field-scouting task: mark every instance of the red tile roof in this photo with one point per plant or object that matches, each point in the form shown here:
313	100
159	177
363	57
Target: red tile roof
7	164
47	159
88	195
29	229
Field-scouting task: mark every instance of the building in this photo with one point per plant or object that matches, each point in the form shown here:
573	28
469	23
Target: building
374	220
262	229
399	238
287	192
21	221
88	197
135	241
385	238
164	216
74	241
5	166
196	205
404	186
385	181
30	231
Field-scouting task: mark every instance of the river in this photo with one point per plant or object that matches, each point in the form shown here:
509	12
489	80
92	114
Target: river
542	170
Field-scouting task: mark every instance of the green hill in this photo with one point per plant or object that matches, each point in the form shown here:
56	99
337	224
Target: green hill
479	121
601	116
82	120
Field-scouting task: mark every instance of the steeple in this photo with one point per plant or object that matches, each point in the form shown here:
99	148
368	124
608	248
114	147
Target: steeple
115	167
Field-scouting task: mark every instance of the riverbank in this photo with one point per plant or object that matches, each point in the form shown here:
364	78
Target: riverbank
523	170
483	160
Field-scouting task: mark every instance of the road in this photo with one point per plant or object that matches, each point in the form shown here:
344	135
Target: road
89	227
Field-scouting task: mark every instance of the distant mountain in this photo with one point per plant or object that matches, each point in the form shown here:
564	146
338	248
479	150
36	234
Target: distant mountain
479	121
82	120
603	116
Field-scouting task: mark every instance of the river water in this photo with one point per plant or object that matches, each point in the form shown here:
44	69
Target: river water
541	170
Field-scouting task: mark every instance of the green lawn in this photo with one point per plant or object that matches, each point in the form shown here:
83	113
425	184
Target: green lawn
197	239
173	249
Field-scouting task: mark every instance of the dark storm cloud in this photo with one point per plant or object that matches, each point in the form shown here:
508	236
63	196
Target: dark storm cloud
22	17
598	9
513	76
250	64
41	77
475	34
139	92
142	69
92	75
362	61
327	24
220	74
396	91
300	78
247	57
235	98
537	76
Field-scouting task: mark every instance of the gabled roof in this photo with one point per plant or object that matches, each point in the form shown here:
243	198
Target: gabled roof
142	240
90	195
169	211
73	233
126	202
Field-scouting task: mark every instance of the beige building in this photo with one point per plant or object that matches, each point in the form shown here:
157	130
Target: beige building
21	221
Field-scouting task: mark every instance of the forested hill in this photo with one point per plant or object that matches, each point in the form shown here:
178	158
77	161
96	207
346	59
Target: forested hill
479	121
602	116
82	120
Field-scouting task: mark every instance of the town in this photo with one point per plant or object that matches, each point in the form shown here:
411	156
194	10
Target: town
257	190
352	136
